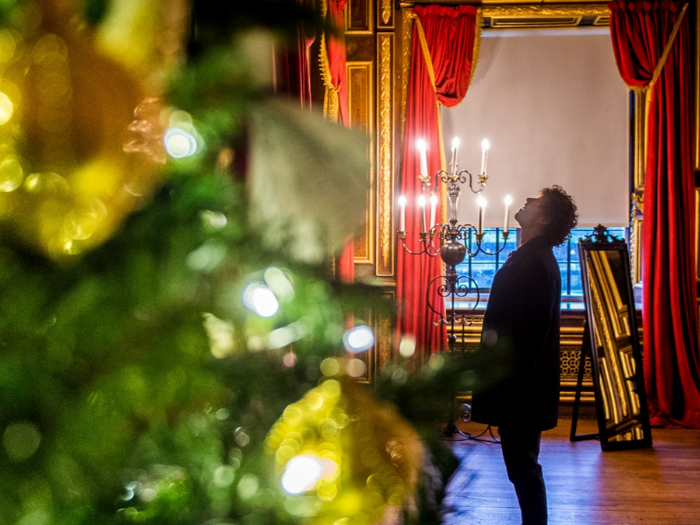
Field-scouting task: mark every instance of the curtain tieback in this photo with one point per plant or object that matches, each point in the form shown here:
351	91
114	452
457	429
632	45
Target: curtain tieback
664	56
331	102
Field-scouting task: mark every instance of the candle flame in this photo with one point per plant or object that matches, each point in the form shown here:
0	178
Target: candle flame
421	201
481	202
455	143
433	200
508	200
421	145
402	201
485	144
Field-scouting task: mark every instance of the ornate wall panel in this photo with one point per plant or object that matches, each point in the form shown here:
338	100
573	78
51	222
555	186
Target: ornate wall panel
358	16
361	110
385	153
385	14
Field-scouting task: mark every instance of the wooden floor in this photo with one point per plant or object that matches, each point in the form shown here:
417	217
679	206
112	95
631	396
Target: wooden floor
660	485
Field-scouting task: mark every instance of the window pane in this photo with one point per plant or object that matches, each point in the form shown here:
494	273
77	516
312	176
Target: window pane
488	243
483	267
576	287
564	271
560	253
483	274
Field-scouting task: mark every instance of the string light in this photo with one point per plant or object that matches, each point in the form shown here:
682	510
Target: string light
358	339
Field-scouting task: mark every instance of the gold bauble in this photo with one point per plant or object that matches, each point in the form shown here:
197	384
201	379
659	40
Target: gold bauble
343	457
78	140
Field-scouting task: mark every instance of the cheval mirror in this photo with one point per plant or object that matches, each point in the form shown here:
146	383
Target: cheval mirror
611	341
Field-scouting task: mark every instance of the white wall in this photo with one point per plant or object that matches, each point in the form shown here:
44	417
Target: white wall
556	111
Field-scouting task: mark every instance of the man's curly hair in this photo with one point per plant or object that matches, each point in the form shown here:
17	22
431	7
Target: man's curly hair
561	213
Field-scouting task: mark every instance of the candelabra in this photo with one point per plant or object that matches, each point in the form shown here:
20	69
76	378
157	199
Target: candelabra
450	241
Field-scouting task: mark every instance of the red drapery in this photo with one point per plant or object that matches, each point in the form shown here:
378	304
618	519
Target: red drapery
336	103
335	45
640	31
292	71
450	33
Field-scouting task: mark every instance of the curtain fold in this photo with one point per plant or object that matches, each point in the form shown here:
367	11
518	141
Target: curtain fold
333	64
292	68
335	104
640	32
449	35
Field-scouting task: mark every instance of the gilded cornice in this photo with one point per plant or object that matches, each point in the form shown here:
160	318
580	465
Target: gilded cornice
500	8
543	10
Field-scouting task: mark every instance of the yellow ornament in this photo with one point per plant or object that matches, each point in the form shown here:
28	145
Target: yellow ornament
342	456
79	143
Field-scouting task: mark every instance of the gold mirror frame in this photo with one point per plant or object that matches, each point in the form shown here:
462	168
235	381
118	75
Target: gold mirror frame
611	340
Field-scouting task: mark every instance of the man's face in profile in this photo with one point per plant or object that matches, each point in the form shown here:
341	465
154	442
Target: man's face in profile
531	213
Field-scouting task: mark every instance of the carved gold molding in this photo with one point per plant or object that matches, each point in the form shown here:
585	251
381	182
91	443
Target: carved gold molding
385	263
637	197
407	16
519	22
387	13
544	10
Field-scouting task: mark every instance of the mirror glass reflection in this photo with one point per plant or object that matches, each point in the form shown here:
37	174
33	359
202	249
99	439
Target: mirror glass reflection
611	310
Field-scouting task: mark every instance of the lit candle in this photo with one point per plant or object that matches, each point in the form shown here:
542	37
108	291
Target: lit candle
402	208
455	147
433	205
481	203
421	205
422	148
485	145
508	201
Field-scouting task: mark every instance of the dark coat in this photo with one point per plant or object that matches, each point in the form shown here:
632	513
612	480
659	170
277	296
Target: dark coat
519	350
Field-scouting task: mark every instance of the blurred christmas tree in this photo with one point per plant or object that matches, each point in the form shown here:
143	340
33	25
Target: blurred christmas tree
171	341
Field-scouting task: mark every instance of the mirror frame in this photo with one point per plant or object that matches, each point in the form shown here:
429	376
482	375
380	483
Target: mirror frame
601	240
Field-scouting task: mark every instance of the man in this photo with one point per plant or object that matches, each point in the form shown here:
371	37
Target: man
519	384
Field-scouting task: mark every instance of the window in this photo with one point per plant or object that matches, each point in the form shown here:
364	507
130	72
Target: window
482	268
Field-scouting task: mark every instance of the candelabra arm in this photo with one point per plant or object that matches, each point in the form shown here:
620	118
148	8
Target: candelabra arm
441	175
481	250
482	178
427	240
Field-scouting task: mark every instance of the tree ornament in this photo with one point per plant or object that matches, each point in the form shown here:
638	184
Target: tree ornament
342	456
75	157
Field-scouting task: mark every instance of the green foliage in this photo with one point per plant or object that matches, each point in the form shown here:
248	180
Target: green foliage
135	385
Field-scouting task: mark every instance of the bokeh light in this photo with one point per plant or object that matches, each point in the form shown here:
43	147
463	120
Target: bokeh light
179	143
286	335
260	299
407	347
279	283
6	108
356	368
358	339
11	173
301	474
220	334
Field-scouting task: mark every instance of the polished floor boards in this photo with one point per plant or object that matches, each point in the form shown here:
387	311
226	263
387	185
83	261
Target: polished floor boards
660	485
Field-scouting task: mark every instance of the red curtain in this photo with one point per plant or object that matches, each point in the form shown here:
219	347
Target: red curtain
292	71
335	45
336	56
449	34
640	31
